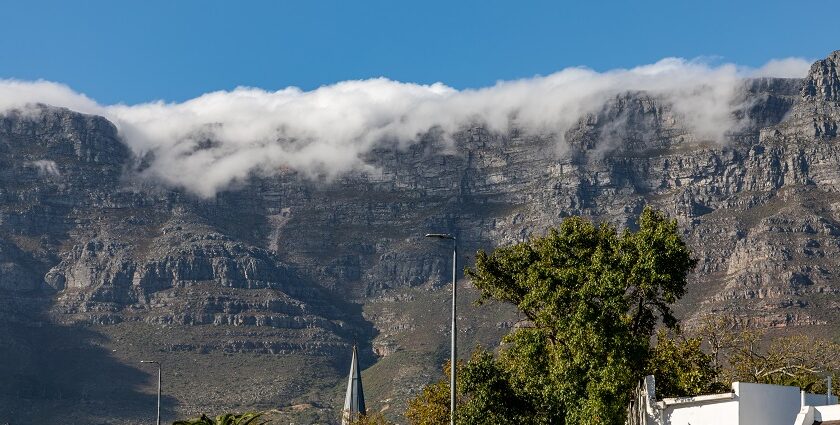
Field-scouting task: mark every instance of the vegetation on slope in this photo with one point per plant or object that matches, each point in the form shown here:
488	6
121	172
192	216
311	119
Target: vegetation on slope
594	298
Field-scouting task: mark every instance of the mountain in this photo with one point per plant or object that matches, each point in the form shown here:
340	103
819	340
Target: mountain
253	298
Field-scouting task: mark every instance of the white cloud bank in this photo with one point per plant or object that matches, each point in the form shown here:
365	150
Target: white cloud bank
210	142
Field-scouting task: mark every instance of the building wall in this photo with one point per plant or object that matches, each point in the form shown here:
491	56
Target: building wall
719	413
753	404
818	399
827	413
761	404
747	404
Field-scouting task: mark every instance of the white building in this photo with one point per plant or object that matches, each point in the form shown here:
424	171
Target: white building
746	404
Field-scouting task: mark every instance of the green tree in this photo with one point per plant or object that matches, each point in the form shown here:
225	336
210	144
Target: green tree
751	355
682	368
249	418
592	297
431	406
492	399
372	418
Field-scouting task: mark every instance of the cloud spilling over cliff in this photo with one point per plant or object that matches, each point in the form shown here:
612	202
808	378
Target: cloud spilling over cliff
208	143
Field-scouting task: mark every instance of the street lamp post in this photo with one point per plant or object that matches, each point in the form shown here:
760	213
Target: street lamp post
453	349
158	392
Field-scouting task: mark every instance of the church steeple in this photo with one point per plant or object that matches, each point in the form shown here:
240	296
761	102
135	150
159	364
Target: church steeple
354	401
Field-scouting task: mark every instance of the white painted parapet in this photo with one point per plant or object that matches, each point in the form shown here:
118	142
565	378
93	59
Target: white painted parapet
805	416
746	404
827	413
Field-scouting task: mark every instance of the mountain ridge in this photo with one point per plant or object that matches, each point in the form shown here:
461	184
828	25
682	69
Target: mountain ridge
284	272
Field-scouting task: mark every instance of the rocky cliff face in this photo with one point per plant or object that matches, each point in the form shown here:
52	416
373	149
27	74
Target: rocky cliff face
279	276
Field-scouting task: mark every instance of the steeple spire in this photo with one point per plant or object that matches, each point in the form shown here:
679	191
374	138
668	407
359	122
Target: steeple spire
354	402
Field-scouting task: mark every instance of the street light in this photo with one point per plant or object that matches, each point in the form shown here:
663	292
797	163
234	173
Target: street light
158	395
453	349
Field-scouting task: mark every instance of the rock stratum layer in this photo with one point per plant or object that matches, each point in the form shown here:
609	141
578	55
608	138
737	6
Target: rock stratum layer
251	299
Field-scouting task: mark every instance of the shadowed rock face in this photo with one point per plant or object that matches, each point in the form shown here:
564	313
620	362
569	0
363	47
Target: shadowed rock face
125	272
275	273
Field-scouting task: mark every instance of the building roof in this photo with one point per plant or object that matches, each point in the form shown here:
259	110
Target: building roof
354	401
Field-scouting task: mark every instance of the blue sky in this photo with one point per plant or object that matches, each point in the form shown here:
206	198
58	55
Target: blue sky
175	50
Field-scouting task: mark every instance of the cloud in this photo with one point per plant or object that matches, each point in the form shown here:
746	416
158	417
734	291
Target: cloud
783	68
16	94
208	143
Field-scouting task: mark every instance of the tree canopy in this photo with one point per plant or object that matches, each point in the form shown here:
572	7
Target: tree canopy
592	297
748	355
682	368
248	418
